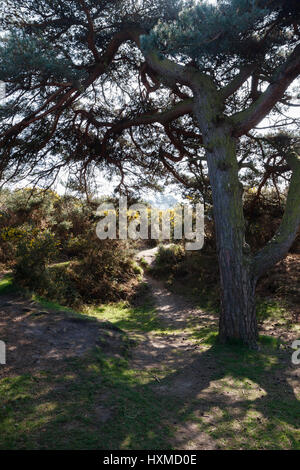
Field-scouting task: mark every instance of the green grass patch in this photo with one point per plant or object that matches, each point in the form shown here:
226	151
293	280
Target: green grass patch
140	319
249	404
48	304
6	285
100	402
93	403
270	341
239	399
271	309
207	335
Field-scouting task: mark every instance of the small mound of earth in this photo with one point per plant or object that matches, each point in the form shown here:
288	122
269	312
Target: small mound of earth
39	339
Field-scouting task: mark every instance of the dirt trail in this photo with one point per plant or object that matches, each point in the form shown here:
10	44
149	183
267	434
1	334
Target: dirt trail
172	347
35	335
37	339
172	352
159	350
192	371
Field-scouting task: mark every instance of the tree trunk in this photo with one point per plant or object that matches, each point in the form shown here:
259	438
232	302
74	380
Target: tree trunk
239	269
238	315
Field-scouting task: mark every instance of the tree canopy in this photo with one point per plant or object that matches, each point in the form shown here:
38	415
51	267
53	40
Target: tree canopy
83	91
152	88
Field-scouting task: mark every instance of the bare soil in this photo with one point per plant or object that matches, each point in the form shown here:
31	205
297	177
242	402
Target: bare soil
39	338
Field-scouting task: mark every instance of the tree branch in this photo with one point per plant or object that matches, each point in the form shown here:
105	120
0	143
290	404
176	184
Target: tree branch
106	58
280	81
94	72
238	81
164	117
145	70
171	72
91	35
172	170
278	247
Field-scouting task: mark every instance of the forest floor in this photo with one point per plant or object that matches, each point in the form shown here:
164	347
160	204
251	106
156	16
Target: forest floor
142	376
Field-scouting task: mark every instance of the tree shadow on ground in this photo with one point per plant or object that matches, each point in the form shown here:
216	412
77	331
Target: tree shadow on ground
225	398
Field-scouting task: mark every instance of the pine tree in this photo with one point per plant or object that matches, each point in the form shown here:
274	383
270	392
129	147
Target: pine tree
148	85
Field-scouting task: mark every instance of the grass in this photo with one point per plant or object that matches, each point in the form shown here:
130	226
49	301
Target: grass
140	319
263	412
98	402
6	285
68	408
243	399
48	304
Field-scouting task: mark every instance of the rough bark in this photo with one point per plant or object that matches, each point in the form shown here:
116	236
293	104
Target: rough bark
237	316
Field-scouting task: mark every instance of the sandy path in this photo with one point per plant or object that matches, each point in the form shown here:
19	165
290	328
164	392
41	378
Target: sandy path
172	346
172	357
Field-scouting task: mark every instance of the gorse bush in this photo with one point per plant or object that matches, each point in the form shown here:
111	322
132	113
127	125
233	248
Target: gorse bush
67	217
9	239
105	272
170	255
168	261
34	251
51	244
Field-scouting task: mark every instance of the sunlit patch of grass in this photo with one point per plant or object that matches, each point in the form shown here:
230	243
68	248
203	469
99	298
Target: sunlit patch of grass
48	304
207	335
56	307
137	319
242	426
270	341
272	311
144	263
248	404
140	320
101	402
296	328
267	308
7	285
239	387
